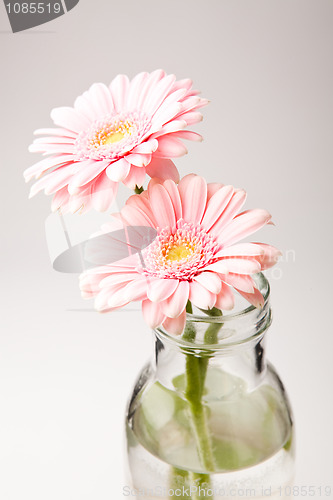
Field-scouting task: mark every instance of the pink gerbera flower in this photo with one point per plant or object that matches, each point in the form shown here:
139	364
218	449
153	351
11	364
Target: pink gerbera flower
195	255
112	134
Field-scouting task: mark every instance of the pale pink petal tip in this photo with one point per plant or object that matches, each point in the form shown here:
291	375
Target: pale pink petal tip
152	313
255	298
175	326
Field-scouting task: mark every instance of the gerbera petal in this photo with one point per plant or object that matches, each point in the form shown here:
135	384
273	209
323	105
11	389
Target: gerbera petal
243	225
125	265
233	207
142	203
161	289
192	117
119	88
162	207
59	178
255	298
60	199
243	265
225	300
117	279
185	84
118	170
201	297
162	169
139	160
79	201
152	313
209	280
114	299
188	135
53	181
212	188
216	205
83	104
169	128
69	118
135	89
193	195
61	132
169	108
173	192
218	267
103	192
101	98
51	148
89	169
101	302
133	216
159	93
240	282
241	249
54	140
146	147
176	303
192	103
42	166
135	177
149	83
269	257
134	290
89	284
175	326
170	147
185	181
167	112
189	103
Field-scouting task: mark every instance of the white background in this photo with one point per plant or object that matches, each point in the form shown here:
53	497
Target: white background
65	371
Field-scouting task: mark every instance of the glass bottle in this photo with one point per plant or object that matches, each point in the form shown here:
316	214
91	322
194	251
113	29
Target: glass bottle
209	416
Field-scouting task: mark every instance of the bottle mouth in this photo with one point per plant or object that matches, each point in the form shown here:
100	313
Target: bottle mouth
239	311
244	325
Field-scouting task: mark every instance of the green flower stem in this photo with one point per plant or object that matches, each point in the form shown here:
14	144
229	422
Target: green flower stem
179	481
138	190
201	481
196	371
210	338
193	394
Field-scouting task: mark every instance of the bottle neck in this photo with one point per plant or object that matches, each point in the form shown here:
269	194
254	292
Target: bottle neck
242	366
229	347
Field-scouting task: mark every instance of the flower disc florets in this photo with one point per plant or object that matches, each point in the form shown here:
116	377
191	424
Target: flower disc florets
112	137
180	252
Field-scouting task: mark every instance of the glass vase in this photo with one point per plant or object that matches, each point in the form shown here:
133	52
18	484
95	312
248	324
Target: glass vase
209	416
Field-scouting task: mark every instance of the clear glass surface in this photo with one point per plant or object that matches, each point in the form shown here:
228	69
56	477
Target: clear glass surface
233	438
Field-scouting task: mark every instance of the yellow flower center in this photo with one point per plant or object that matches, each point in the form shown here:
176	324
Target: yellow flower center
179	252
111	133
114	137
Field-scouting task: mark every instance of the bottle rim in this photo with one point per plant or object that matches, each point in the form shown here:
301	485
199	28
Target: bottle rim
243	327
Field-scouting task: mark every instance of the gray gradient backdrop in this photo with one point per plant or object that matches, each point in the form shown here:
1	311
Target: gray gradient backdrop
65	372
